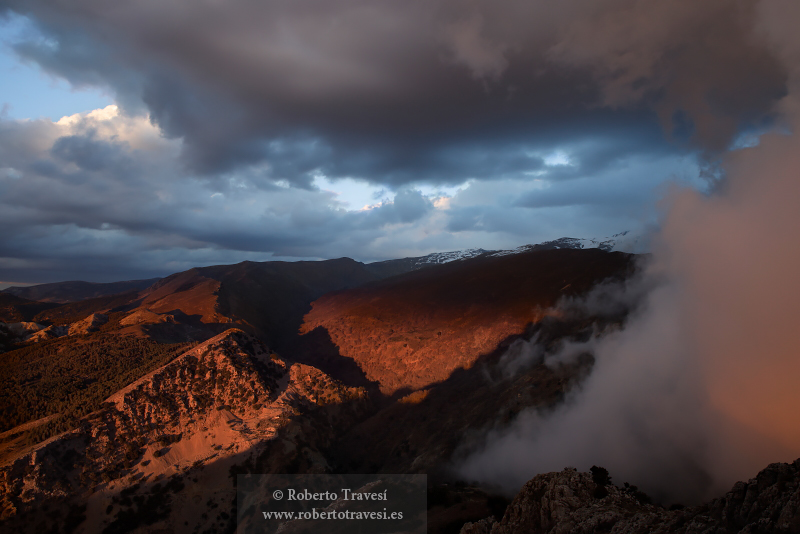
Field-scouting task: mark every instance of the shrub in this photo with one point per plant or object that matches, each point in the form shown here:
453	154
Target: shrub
601	479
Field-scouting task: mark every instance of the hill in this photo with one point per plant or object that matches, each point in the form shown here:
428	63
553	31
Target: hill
15	309
268	299
62	292
413	330
161	451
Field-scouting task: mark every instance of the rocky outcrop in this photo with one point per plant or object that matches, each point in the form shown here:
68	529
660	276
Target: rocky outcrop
33	332
570	502
50	332
90	324
144	316
22	329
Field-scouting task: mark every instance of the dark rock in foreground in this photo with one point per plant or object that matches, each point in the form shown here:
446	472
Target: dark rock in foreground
573	502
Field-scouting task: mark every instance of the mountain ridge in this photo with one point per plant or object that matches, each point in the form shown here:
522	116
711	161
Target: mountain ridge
187	425
77	290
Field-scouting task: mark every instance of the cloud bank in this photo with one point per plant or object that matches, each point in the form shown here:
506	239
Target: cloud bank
105	195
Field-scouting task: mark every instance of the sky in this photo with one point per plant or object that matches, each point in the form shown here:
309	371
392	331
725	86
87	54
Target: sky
146	138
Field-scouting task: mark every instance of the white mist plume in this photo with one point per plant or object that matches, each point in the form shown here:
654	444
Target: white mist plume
701	387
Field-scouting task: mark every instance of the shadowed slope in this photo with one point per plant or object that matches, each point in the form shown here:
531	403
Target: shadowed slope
269	299
62	292
15	309
413	330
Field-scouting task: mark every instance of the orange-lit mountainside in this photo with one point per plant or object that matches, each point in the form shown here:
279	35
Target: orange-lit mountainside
132	409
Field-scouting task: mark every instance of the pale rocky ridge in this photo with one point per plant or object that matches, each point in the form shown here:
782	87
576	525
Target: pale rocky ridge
33	332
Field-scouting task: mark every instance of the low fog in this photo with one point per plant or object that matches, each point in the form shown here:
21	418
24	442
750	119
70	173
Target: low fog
699	389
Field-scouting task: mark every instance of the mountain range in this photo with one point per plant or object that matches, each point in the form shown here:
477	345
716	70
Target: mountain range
133	410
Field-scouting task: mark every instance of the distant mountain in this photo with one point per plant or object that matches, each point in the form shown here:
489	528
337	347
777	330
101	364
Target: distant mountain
63	292
14	309
74	291
491	291
621	242
387	268
267	299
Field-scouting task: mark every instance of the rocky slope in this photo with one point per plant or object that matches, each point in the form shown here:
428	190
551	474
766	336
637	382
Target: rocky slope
423	430
162	451
570	502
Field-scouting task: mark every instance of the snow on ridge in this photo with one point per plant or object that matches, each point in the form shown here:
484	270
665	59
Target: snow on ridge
453	255
518	250
622	242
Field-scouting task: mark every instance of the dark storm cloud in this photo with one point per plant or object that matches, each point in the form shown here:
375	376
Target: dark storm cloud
258	103
397	92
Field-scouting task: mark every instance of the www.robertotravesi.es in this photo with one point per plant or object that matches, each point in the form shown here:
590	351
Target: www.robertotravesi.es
333	514
346	495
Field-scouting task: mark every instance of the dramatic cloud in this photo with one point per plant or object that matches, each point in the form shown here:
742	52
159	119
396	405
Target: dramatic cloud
533	120
385	91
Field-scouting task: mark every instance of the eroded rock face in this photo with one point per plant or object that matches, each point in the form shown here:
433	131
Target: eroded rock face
768	503
574	503
50	332
91	324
